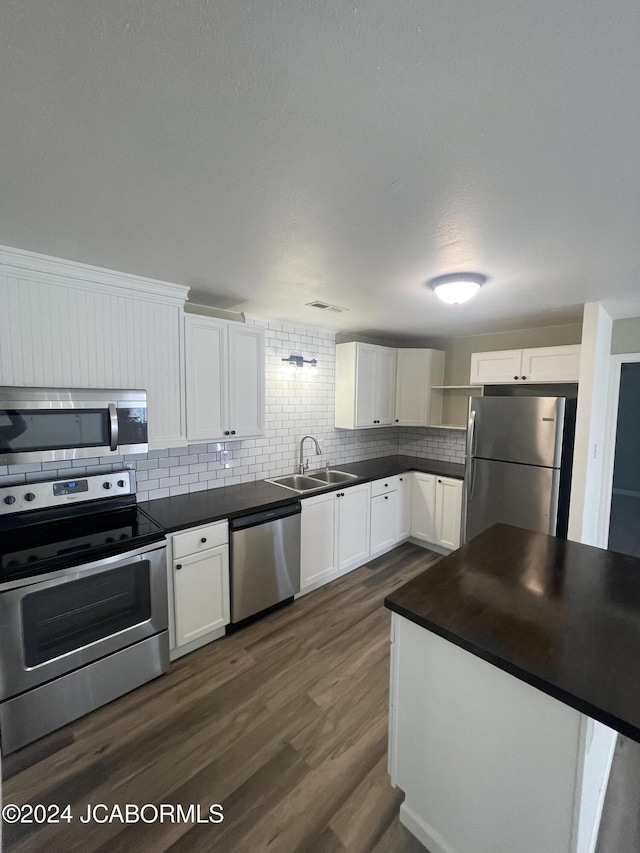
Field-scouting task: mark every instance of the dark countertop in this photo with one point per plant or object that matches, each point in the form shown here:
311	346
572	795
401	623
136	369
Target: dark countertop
231	501
561	616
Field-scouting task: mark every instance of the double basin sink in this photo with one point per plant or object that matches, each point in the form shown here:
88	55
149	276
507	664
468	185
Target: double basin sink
314	480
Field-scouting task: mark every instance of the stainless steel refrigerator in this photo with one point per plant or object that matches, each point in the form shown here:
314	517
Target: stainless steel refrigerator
518	469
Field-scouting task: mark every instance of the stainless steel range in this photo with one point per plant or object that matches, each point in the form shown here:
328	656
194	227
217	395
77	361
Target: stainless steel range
83	601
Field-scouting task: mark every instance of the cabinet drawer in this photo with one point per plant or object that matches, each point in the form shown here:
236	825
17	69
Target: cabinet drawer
200	539
381	487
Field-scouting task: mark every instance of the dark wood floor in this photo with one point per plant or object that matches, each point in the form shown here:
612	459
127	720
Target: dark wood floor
283	723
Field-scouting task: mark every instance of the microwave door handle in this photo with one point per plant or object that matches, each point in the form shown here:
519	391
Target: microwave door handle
113	426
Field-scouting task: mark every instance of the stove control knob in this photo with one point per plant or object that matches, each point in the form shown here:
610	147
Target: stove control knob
107	484
121	484
29	496
9	500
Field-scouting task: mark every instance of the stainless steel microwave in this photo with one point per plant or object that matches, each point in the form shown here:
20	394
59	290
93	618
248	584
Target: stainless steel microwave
55	424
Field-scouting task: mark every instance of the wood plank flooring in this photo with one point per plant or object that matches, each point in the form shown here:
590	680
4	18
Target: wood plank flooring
283	723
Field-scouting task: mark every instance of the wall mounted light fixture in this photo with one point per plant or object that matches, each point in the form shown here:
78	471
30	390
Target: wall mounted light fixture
296	360
457	287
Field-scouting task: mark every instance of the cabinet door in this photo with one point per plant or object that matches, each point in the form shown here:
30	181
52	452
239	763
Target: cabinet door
403	507
448	512
353	526
496	367
417	370
365	379
246	380
385	386
318	540
383	522
201	593
423	506
206	378
551	364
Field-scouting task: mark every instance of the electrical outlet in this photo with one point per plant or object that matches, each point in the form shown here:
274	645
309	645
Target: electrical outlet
225	458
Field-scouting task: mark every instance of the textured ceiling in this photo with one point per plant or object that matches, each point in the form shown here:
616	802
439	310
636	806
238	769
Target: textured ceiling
274	152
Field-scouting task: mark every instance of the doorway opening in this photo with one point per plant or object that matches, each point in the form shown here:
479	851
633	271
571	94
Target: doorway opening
624	519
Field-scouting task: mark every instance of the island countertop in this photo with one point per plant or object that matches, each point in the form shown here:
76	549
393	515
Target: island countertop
561	616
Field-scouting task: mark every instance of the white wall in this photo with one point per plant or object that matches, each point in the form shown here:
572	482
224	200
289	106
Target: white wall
591	418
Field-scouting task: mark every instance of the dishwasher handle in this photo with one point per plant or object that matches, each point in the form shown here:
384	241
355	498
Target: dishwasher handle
264	517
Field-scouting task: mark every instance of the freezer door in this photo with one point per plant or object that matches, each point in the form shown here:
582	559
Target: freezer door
522	495
517	429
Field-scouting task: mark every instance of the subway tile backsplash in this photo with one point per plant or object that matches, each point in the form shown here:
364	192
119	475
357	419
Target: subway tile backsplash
297	403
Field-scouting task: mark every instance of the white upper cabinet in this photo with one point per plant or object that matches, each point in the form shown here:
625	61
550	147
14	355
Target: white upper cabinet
246	380
417	371
70	325
551	364
365	385
224	379
540	364
206	374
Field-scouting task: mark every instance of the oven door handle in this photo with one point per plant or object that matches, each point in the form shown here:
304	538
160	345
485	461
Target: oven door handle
113	426
146	552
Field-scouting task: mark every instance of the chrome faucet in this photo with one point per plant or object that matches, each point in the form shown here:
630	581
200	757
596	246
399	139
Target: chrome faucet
302	467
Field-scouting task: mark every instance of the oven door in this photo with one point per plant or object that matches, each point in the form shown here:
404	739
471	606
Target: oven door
80	615
54	424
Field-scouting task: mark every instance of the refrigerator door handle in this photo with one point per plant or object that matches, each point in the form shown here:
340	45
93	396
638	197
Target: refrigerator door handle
471	433
469	483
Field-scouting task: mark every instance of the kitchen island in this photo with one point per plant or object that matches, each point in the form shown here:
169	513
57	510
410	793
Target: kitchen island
514	664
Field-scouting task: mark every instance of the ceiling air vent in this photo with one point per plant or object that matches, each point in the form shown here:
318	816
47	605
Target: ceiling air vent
324	306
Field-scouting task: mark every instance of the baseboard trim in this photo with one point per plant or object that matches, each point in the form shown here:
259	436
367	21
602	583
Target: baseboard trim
425	834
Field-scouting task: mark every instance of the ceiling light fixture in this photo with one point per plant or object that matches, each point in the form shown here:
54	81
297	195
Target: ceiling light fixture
457	287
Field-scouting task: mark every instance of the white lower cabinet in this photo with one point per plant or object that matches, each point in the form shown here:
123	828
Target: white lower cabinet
334	535
436	512
353	526
386	525
341	530
423	507
383	522
318	540
448	512
199	586
403	507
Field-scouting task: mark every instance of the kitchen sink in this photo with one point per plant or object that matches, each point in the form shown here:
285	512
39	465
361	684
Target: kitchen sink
332	476
298	482
315	480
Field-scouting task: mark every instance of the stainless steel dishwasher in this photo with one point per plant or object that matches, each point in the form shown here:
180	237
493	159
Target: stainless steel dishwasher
265	561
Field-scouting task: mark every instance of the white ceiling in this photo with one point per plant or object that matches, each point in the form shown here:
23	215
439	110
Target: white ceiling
272	152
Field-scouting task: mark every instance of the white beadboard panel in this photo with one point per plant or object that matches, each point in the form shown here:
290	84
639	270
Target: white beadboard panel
56	336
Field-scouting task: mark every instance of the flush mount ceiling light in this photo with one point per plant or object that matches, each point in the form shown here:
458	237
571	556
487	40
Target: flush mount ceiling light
457	287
